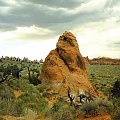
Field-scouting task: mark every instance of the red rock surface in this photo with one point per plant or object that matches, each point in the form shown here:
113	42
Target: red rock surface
65	67
105	61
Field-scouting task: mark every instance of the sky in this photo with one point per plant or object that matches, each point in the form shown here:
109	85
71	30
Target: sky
31	28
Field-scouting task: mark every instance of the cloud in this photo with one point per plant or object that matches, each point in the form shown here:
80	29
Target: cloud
99	38
116	47
56	16
24	33
26	13
97	5
96	23
113	3
59	3
2	3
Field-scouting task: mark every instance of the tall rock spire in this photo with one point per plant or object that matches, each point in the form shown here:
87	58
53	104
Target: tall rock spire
65	67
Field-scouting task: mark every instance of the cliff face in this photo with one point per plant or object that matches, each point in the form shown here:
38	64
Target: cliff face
65	67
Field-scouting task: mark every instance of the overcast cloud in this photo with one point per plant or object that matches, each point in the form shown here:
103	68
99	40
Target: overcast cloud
29	26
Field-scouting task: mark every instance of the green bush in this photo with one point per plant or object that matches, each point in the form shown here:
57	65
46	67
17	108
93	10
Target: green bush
7	97
115	113
42	87
18	84
31	99
34	101
59	104
5	107
23	85
6	92
93	108
63	114
56	107
62	111
34	80
18	108
90	109
46	95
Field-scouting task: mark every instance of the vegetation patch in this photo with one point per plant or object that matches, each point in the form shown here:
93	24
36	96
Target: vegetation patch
33	98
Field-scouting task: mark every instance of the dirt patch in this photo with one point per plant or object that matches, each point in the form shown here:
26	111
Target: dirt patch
104	116
18	93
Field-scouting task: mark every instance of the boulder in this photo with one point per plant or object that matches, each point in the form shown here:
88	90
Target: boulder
65	67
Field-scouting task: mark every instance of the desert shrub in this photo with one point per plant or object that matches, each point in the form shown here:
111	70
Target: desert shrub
5	107
116	89
42	87
56	107
46	94
23	85
64	114
18	84
116	102
31	99
62	111
10	69
106	74
6	92
18	109
115	111
104	105
34	101
90	109
5	69
16	71
93	108
59	104
116	114
34	80
7	98
1	60
30	115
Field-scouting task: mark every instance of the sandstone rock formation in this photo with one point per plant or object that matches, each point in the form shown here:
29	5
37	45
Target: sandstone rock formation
65	67
87	60
105	61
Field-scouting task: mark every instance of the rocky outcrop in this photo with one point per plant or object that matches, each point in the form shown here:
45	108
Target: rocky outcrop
104	61
87	60
65	67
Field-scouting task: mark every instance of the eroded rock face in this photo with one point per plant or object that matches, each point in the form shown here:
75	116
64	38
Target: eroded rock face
65	67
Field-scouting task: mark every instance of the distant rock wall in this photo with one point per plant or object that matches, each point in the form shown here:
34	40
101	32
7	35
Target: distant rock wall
105	61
